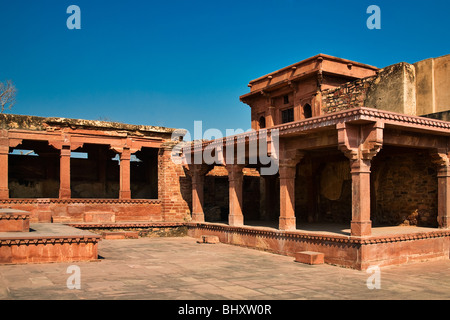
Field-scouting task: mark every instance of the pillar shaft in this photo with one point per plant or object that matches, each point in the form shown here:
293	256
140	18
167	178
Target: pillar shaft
125	189
361	225
444	197
270	117
64	173
4	152
235	178
287	198
198	179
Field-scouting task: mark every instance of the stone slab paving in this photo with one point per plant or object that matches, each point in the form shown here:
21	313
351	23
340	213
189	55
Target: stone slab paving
182	269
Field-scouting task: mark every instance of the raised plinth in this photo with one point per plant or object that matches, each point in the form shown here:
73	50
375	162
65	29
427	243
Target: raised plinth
12	220
386	246
48	242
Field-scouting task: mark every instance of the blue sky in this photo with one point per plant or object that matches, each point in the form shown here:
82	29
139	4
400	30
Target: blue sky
170	63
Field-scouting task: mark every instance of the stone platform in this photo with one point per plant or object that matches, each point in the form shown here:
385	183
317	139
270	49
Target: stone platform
48	242
386	246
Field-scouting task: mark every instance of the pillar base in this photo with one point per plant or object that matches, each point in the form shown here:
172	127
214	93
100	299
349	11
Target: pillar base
287	224
65	193
198	217
125	195
361	228
4	193
236	220
444	222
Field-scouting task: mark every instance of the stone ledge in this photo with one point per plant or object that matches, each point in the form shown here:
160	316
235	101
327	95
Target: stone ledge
322	237
113	235
79	201
120	225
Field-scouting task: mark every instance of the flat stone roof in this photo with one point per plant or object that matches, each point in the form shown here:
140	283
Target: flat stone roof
15	121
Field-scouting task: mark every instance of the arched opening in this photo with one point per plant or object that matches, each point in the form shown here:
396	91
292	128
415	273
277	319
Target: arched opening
307	111
33	170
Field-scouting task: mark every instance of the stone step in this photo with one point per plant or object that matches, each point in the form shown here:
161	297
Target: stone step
310	257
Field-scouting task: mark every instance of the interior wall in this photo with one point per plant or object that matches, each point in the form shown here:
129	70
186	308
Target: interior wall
404	188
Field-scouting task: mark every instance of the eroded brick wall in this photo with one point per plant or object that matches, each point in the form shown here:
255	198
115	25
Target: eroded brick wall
347	96
404	189
174	187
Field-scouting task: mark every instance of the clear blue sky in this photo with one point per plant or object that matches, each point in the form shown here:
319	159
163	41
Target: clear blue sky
169	63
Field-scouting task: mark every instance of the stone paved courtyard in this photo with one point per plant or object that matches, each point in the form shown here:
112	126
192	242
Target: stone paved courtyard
180	268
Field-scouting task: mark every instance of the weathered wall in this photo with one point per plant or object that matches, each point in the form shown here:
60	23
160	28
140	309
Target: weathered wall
394	90
174	186
433	83
414	89
347	96
404	189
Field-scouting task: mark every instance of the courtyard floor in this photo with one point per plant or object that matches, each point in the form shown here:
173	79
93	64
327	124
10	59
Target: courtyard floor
182	269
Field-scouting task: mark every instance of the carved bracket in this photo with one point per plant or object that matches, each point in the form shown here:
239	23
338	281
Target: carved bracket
441	158
360	142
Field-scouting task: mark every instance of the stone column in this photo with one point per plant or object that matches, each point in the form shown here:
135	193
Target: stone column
361	225
236	179
198	179
270	117
64	173
288	171
125	190
443	176
360	143
287	197
4	152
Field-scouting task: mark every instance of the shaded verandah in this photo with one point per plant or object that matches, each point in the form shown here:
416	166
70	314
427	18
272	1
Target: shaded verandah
354	136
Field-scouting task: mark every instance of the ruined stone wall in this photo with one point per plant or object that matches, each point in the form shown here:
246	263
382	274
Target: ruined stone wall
174	187
392	89
347	96
404	189
413	89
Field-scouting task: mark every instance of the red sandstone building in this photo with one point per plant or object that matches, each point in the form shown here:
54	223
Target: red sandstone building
363	173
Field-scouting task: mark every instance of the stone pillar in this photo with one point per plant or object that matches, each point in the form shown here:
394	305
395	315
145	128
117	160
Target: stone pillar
198	179
236	179
64	173
360	143
287	197
125	190
443	176
361	225
270	117
4	152
288	171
